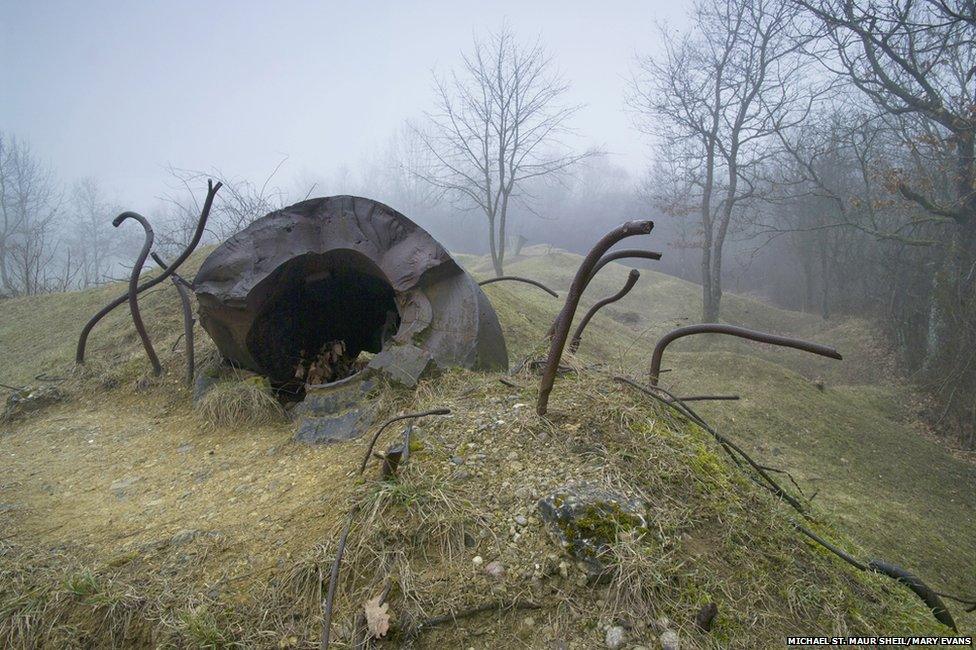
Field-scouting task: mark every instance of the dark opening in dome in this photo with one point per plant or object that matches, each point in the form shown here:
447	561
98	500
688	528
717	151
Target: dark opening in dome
314	299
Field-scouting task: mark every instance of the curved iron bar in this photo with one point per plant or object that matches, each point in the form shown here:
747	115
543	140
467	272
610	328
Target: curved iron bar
188	321
565	318
516	278
732	330
152	282
678	405
406	416
632	278
612	257
919	588
928	595
622	254
133	295
925	593
710	398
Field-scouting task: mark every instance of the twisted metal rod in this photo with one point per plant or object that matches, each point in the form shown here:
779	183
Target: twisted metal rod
622	254
632	278
732	330
188	321
565	318
133	295
152	282
518	278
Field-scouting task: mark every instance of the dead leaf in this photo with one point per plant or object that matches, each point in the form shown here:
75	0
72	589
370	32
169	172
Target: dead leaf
377	617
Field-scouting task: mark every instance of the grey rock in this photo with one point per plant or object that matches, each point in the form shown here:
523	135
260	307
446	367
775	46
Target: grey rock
402	364
521	520
669	640
495	569
30	399
329	399
347	425
457	460
615	637
587	519
120	486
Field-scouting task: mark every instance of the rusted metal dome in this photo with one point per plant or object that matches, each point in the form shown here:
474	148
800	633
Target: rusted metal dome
342	268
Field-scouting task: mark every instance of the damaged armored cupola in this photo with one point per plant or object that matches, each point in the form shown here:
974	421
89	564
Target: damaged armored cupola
302	291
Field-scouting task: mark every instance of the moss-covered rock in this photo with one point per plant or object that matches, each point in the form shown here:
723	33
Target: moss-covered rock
587	520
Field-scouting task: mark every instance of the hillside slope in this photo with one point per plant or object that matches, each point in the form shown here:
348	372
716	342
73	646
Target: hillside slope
126	519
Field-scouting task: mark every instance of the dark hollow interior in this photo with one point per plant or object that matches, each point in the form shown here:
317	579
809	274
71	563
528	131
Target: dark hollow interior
315	298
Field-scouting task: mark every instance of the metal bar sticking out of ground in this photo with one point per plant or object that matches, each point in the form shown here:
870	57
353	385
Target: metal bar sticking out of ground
732	330
406	416
565	318
152	282
623	253
517	278
632	278
928	595
133	295
188	321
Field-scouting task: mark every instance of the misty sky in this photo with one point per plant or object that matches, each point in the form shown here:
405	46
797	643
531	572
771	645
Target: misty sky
119	90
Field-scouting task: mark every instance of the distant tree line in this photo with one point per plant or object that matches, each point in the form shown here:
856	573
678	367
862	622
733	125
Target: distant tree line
820	153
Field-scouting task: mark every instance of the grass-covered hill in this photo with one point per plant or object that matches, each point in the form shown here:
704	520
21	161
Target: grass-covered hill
127	518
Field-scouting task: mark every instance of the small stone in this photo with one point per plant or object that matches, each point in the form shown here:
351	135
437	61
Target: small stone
528	621
521	520
457	460
478	560
512	455
495	569
669	640
184	448
615	637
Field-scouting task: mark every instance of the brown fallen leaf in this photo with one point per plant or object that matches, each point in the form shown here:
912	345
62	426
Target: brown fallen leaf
377	617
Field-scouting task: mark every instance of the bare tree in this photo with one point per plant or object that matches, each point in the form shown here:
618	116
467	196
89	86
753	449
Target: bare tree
30	203
242	201
714	101
499	122
94	246
916	61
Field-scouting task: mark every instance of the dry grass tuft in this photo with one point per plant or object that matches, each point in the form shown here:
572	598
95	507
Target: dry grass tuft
240	403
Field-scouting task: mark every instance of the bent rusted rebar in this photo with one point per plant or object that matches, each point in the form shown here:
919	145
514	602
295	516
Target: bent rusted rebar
188	320
632	278
919	588
731	448
613	257
732	330
406	416
925	593
623	254
517	278
133	295
928	595
710	398
334	580
152	282
565	318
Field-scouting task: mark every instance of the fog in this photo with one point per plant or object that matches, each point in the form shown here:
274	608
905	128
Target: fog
785	148
120	91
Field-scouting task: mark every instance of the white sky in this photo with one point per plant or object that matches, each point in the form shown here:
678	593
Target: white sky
118	90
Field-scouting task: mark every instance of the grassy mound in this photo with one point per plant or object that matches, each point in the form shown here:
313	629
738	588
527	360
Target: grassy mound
130	520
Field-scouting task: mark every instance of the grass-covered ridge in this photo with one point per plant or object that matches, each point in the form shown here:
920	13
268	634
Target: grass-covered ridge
129	519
